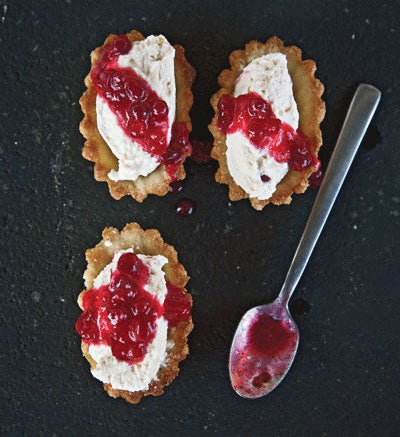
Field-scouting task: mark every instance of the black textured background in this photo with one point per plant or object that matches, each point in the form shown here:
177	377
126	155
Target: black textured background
345	380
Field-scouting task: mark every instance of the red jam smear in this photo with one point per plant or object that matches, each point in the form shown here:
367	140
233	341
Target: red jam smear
139	110
254	117
264	355
270	336
123	315
177	305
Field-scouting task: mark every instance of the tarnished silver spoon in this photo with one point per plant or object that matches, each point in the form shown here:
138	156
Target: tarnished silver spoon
266	340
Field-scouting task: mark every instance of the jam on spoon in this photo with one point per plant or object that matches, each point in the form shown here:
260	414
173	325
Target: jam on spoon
266	340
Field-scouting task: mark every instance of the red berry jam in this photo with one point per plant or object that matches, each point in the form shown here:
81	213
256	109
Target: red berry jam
263	355
179	148
254	117
177	305
315	178
138	109
269	336
123	315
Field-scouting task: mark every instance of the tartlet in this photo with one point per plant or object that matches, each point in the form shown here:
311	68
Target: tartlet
149	243
96	149
307	91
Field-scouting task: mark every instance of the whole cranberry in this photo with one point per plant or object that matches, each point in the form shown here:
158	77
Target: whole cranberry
136	128
140	111
121	45
258	107
159	110
136	90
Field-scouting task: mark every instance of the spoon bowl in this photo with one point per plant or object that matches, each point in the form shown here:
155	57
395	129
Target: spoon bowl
263	349
266	340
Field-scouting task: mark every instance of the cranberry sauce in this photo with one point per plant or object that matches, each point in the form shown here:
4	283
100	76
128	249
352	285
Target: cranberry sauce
177	305
315	179
123	315
269	336
254	117
262	357
139	111
179	148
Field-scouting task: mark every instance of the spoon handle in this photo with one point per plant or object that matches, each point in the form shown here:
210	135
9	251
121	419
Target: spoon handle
361	110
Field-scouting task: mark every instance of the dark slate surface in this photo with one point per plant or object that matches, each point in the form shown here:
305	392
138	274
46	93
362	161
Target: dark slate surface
345	380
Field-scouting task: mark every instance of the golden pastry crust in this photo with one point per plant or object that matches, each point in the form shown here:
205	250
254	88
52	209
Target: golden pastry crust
96	149
307	92
147	242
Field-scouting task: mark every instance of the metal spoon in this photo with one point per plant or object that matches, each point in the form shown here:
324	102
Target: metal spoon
266	340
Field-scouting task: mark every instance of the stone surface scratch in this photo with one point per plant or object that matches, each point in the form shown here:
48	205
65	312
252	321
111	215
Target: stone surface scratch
56	171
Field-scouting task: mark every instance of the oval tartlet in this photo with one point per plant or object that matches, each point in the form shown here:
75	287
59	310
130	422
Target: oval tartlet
96	149
147	242
307	92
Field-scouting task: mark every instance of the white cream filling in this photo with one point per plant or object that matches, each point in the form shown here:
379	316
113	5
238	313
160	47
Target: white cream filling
153	60
118	373
269	77
133	161
246	164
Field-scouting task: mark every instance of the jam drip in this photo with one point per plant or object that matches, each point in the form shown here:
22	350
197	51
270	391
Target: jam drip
315	179
139	110
123	315
177	305
254	117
